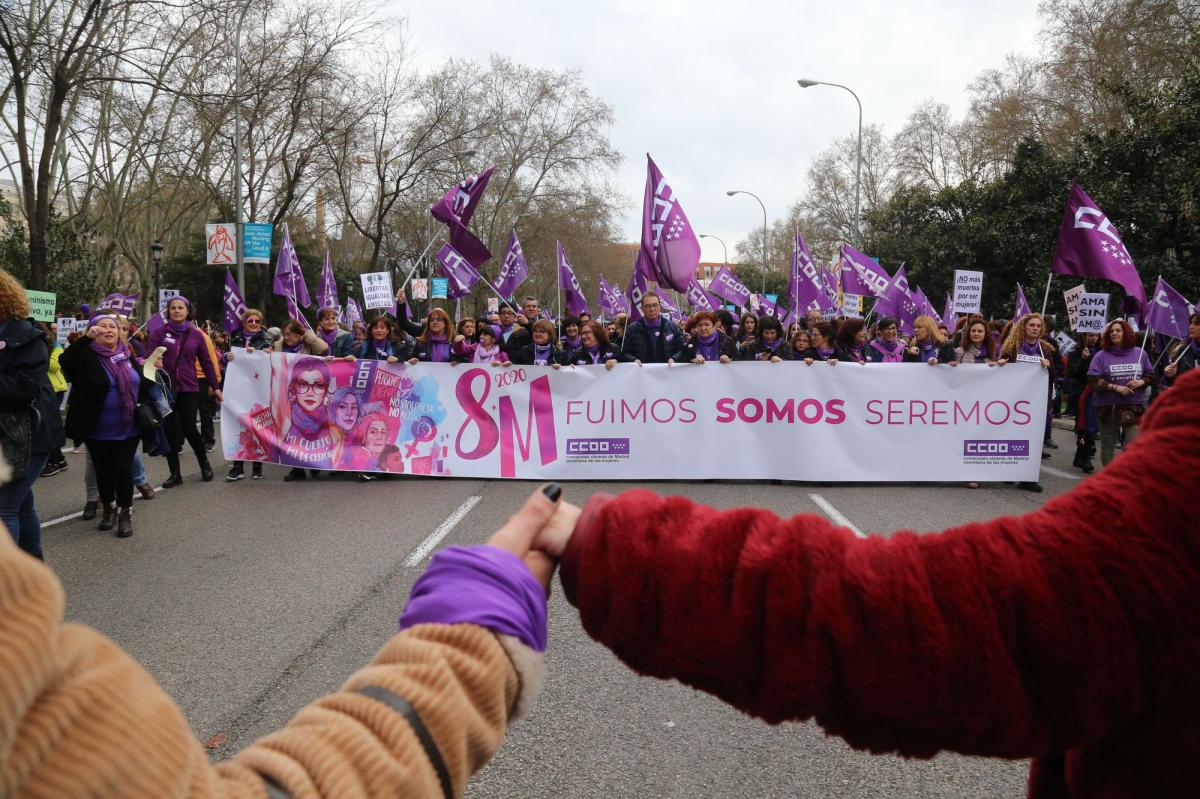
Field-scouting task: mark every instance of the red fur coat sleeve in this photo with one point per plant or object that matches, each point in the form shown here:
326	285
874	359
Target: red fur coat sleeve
1015	637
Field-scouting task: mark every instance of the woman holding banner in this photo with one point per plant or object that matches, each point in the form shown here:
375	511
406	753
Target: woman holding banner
769	346
851	340
747	333
340	342
299	341
433	344
382	343
886	347
801	343
1120	375
976	346
541	351
823	347
186	353
1024	342
571	340
251	337
597	350
928	344
706	342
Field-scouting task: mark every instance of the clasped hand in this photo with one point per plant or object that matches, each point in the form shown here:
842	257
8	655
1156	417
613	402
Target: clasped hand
538	533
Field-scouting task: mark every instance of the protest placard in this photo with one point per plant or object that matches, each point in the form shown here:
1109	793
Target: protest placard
377	290
419	289
1071	296
256	242
41	305
968	291
164	296
1092	313
220	242
1065	343
440	288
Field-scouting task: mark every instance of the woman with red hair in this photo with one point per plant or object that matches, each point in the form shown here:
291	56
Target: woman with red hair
1119	375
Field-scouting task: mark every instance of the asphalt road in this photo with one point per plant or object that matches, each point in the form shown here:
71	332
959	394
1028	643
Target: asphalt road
247	600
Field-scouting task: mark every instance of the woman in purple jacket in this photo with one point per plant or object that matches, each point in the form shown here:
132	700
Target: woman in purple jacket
185	348
1119	376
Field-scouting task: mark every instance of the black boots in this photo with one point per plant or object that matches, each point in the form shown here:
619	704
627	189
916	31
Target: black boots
1085	448
125	523
89	510
110	517
206	472
176	479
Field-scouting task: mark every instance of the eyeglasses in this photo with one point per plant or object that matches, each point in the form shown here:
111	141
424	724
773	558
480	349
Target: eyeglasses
252	321
304	387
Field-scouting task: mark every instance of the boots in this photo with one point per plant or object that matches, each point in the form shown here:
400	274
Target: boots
125	523
109	518
206	472
89	510
176	478
1084	451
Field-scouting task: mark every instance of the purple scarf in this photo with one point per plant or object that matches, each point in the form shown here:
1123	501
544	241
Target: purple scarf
329	337
926	349
857	354
485	355
541	354
774	345
382	347
824	353
293	348
593	353
480	585
116	362
890	346
179	328
1032	349
439	349
708	347
572	343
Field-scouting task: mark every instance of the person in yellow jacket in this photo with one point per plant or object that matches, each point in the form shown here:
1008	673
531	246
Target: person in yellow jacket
58	382
79	718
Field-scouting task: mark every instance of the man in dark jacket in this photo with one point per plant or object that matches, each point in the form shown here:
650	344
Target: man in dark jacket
31	423
653	339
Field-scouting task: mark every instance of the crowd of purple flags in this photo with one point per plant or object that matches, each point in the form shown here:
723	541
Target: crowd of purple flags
668	255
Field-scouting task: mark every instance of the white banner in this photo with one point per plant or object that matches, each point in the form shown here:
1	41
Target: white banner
968	291
881	422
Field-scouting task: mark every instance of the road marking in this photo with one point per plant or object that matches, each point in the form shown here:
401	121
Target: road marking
835	515
79	513
1061	473
440	532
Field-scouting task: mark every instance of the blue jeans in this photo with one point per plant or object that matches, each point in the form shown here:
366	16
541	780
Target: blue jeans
17	511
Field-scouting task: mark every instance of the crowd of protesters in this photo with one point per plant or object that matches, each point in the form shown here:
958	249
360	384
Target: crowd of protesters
129	391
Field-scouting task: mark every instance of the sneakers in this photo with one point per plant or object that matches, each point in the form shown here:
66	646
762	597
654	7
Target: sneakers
363	477
51	470
1035	488
235	473
210	446
256	471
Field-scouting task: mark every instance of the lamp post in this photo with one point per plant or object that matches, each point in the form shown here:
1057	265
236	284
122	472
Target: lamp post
156	251
765	238
237	150
723	247
805	83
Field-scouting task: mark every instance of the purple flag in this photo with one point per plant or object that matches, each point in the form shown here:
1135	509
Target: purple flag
156	322
766	307
698	298
810	292
861	275
459	271
1090	246
669	244
289	280
457	205
611	301
576	302
1022	305
514	271
669	308
1169	311
352	314
120	304
327	296
896	300
294	312
728	287
949	318
634	291
235	305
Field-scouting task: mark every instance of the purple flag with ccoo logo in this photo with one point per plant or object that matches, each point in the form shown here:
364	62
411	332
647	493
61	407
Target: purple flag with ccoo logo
576	302
235	305
669	243
1090	246
515	270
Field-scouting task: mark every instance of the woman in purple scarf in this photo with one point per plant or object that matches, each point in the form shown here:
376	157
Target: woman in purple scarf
769	346
887	346
1119	375
1024	343
340	342
706	342
434	345
824	346
1185	355
541	350
851	341
105	389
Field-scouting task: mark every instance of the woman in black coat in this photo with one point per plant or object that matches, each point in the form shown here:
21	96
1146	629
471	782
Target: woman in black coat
541	351
769	346
30	427
106	388
596	349
928	344
707	343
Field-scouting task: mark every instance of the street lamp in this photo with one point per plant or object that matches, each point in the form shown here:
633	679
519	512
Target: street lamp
156	250
765	239
805	83
723	247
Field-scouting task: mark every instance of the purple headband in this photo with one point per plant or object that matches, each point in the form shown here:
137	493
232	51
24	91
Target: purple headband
182	298
97	317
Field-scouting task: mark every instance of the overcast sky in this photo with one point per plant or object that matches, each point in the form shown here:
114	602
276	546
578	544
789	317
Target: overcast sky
709	89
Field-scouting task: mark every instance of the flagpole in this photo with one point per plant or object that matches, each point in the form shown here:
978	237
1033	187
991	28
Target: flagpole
1167	349
1046	298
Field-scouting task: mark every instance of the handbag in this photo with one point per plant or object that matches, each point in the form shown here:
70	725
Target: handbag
146	417
16	440
1121	415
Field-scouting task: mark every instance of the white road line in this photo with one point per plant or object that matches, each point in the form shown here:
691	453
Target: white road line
1061	473
440	532
79	513
835	515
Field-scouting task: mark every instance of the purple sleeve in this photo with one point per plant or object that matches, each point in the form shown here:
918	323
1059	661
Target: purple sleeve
1094	368
480	585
